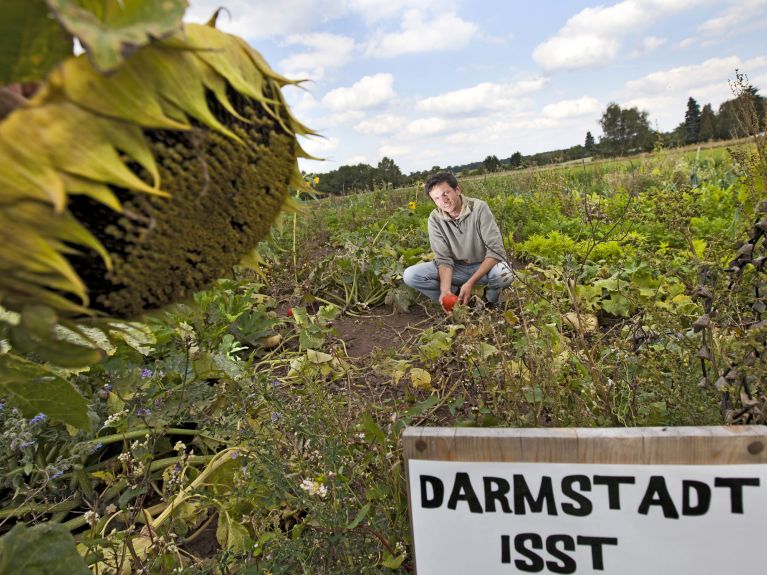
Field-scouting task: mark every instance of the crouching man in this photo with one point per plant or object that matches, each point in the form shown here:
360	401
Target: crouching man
467	245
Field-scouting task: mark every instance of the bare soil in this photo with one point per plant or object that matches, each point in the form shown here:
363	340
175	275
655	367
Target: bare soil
363	335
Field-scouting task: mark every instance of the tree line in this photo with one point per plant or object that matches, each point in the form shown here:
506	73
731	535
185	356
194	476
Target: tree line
624	131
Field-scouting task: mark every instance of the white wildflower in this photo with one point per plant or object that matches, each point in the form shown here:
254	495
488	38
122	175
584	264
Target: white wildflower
91	517
314	488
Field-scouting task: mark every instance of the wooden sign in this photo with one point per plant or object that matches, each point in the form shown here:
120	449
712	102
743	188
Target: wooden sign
587	501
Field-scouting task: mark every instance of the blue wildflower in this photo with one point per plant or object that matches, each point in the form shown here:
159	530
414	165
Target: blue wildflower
276	416
96	447
146	373
25	444
56	475
143	412
40	417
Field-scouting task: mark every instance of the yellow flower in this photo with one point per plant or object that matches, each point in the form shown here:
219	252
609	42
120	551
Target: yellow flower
316	180
411	205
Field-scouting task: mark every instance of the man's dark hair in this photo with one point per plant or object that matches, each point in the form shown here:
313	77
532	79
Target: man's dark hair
439	178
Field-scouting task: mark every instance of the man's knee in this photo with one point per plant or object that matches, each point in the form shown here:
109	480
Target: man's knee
417	274
501	276
408	276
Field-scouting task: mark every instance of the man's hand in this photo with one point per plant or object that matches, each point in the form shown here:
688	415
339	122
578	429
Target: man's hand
465	293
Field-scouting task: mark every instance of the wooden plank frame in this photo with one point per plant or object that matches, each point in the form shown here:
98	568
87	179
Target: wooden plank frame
716	445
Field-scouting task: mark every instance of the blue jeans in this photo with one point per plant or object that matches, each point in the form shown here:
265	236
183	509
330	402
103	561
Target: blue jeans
425	278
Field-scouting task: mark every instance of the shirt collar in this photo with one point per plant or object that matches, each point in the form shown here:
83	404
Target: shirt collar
465	210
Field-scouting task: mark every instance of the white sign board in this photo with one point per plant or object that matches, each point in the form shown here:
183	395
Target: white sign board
635	501
500	518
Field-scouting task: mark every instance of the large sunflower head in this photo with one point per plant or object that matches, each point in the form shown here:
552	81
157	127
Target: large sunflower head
128	191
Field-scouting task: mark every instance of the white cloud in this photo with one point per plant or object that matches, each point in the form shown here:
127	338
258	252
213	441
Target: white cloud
300	100
572	108
381	125
368	92
428	126
684	77
579	51
327	51
354	160
319	147
592	37
340	118
484	96
375	10
664	93
737	14
686	43
392	151
420	34
253	20
649	44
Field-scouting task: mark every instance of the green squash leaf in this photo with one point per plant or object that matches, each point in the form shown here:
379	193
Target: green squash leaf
44	549
616	304
31	43
232	535
34	389
110	31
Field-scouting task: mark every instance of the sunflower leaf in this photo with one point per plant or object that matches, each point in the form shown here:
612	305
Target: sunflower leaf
111	31
34	389
31	43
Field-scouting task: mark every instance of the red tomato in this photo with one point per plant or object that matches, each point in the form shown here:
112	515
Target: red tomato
449	301
290	312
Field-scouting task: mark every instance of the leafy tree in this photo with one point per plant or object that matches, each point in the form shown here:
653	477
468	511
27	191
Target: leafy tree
491	163
389	173
707	124
589	144
625	130
692	122
515	161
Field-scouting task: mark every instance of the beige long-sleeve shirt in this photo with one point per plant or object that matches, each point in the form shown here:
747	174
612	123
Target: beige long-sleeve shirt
470	238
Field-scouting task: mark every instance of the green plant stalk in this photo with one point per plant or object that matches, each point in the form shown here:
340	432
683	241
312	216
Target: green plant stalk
78	522
114	438
295	259
40	508
221	458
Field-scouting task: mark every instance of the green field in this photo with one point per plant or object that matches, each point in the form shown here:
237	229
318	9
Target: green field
237	432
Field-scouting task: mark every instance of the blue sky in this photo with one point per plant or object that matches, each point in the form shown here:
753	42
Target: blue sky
446	82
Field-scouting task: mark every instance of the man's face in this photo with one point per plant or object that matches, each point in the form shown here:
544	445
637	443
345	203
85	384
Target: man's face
446	198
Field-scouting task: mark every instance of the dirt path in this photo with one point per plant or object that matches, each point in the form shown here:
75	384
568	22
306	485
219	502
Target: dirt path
363	335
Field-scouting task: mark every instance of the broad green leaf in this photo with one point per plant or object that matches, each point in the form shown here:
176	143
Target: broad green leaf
420	378
112	30
486	350
31	42
391	562
435	344
373	431
532	394
44	549
698	249
35	389
36	334
232	535
360	516
317	357
616	304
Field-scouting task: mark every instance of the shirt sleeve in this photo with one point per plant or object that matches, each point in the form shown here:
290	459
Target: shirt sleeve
490	233
439	245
